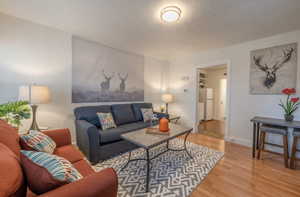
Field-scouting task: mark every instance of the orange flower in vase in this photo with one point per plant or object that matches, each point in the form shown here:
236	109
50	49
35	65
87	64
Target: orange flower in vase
295	100
291	104
289	91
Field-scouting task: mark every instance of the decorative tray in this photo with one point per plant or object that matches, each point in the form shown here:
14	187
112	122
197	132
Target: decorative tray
156	131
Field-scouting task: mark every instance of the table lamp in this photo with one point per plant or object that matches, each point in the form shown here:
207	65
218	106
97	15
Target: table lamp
35	95
167	98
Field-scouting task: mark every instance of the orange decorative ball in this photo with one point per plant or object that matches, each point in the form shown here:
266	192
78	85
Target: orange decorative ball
164	125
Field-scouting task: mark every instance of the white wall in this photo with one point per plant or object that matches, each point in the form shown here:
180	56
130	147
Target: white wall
156	80
243	106
34	53
213	81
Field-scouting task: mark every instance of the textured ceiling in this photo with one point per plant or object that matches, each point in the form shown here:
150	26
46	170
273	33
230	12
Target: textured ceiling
134	25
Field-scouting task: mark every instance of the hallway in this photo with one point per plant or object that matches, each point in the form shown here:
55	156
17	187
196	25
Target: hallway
212	128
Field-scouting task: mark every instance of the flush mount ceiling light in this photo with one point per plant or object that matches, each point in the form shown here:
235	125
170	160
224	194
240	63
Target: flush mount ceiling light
170	14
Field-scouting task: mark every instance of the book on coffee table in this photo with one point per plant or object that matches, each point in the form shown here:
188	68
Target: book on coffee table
152	130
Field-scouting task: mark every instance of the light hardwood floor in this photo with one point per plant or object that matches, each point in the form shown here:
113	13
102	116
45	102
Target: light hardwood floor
238	175
213	128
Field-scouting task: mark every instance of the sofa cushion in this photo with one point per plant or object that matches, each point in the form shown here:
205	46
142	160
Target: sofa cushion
9	137
114	134
89	113
69	152
45	172
137	109
83	167
11	175
123	114
38	141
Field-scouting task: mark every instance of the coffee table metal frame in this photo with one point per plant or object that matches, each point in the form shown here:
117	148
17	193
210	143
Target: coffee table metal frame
147	148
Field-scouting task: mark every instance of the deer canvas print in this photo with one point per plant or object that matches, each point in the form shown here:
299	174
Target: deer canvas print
104	74
273	69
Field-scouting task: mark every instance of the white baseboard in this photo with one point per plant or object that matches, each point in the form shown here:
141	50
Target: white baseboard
240	141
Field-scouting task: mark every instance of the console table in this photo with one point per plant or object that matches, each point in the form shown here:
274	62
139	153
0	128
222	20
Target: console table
174	118
257	121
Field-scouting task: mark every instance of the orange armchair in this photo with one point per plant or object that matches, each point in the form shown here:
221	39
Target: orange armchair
93	184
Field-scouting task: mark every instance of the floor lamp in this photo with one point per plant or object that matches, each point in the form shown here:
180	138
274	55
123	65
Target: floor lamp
34	95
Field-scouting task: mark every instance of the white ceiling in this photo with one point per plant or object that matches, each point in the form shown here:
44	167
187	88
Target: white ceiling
134	25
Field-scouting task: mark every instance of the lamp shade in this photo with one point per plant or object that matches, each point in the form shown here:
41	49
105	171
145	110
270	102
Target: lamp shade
167	98
34	94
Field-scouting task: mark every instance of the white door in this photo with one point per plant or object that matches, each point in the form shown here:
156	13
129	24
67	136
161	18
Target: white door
223	88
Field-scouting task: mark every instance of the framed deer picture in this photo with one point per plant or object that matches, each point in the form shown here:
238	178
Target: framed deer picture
273	69
104	74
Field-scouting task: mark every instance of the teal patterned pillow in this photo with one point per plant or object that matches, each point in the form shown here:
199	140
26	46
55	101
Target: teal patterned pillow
45	171
106	120
147	114
39	141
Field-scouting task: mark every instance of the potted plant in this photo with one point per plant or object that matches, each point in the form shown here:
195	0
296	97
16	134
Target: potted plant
14	112
291	104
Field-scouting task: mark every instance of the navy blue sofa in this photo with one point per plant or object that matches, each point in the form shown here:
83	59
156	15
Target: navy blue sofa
99	145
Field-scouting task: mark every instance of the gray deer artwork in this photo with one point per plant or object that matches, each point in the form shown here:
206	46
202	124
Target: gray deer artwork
105	85
123	82
271	70
105	74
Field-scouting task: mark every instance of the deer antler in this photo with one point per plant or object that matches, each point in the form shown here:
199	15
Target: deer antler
257	63
106	77
123	78
287	54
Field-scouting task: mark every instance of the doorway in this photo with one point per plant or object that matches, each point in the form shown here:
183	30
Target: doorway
212	100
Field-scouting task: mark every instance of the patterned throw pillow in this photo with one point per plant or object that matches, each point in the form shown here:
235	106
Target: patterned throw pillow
45	172
147	114
39	141
106	120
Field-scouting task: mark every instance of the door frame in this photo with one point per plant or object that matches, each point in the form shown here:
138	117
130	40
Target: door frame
223	108
228	94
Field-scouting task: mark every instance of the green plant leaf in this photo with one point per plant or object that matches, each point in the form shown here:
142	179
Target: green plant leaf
294	110
15	112
283	106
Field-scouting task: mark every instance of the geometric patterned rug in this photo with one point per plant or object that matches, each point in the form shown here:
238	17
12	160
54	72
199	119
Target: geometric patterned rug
172	174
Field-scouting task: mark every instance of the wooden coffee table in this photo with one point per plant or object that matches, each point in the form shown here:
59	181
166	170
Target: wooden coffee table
148	141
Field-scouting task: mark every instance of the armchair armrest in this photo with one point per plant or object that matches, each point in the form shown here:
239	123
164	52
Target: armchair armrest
61	137
100	184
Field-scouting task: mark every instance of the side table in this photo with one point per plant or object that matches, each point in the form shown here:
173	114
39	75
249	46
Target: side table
174	118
